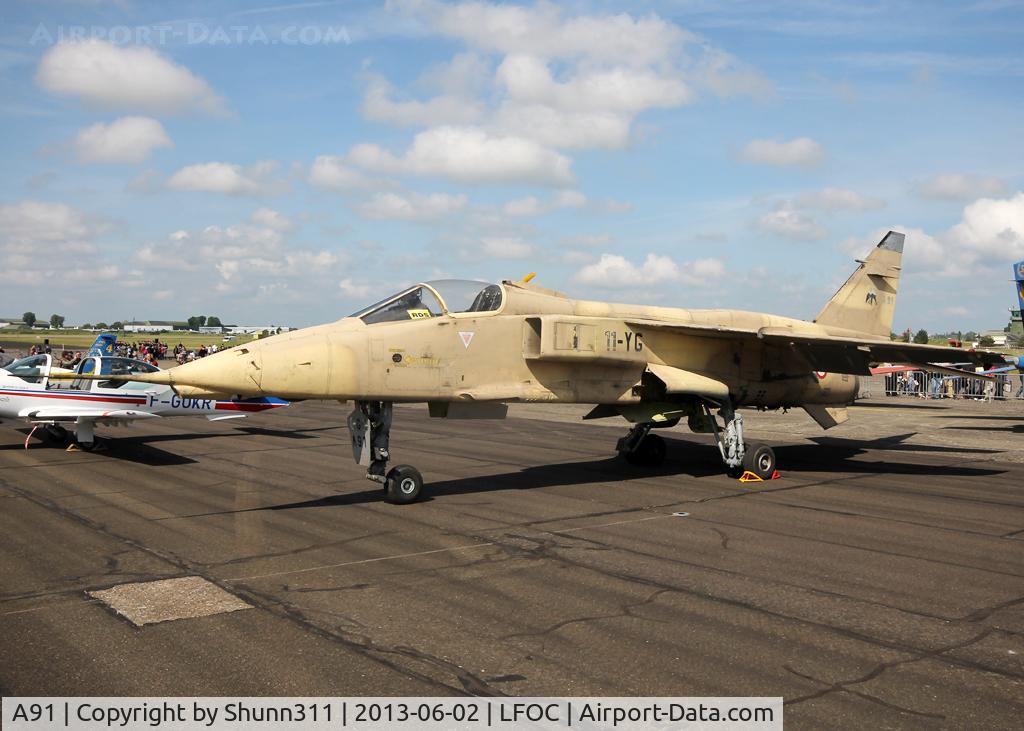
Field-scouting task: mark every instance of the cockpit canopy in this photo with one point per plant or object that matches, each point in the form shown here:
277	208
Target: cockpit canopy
432	299
35	368
30	369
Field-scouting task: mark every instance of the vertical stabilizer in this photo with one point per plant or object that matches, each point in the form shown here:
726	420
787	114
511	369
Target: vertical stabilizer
104	345
867	302
1018	276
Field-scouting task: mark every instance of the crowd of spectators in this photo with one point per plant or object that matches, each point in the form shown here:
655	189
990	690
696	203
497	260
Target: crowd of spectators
922	384
148	351
184	355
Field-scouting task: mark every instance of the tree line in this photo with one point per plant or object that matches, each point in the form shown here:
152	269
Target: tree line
57	322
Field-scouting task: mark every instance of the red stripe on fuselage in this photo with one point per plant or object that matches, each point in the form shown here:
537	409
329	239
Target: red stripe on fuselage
94	398
236	406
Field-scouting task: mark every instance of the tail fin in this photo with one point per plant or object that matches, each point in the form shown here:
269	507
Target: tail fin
104	345
1018	275
867	302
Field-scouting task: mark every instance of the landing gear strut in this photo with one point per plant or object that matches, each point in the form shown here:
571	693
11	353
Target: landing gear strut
85	436
369	426
739	456
640	447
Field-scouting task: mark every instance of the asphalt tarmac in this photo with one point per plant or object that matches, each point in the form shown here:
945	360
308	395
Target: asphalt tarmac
878	584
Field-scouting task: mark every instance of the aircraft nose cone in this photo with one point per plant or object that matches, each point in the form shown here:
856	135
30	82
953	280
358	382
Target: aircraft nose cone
237	370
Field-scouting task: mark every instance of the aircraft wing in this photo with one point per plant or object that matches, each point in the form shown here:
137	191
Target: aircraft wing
834	353
67	413
855	355
935	368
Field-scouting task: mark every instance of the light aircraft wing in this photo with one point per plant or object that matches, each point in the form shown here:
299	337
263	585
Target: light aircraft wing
69	413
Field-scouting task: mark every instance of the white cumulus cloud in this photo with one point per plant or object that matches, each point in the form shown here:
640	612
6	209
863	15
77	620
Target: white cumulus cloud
834	199
379	105
46	243
272	219
565	78
543	30
958	186
533	206
125	140
331	172
470	155
612	271
411	207
790	223
506	247
800	152
133	78
993	227
228	178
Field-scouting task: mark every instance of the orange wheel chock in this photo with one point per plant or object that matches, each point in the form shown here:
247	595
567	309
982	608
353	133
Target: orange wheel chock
749	476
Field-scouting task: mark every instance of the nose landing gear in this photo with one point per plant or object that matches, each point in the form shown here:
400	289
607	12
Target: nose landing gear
369	426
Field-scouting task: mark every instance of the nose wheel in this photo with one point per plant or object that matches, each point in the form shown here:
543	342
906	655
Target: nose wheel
403	484
369	426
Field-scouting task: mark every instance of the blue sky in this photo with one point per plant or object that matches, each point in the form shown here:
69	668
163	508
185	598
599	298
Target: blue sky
289	163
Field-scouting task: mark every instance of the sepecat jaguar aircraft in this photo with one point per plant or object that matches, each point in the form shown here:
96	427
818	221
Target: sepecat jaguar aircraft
467	349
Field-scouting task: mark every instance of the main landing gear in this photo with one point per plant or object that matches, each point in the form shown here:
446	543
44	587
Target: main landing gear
369	426
739	456
640	447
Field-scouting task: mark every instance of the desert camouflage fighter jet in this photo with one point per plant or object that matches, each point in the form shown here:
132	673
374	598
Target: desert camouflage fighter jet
469	348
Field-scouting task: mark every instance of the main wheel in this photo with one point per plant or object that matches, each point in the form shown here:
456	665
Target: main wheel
760	459
403	484
649	453
56	432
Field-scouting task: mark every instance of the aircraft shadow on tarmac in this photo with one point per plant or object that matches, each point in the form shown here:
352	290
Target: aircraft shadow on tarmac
1009	429
982	417
128	449
689	458
897	405
141	449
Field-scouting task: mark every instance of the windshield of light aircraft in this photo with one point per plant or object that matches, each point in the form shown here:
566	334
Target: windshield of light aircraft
114	367
28	369
420	303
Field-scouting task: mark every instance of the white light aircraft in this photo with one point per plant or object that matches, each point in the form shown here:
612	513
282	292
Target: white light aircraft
28	395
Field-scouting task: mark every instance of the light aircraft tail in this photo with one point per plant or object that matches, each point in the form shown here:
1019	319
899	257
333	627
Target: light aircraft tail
1018	276
104	345
867	302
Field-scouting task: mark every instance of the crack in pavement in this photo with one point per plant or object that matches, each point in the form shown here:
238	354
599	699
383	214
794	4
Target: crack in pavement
626	610
877	671
381	654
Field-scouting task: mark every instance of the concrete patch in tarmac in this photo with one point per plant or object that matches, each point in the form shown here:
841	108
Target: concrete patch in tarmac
150	602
